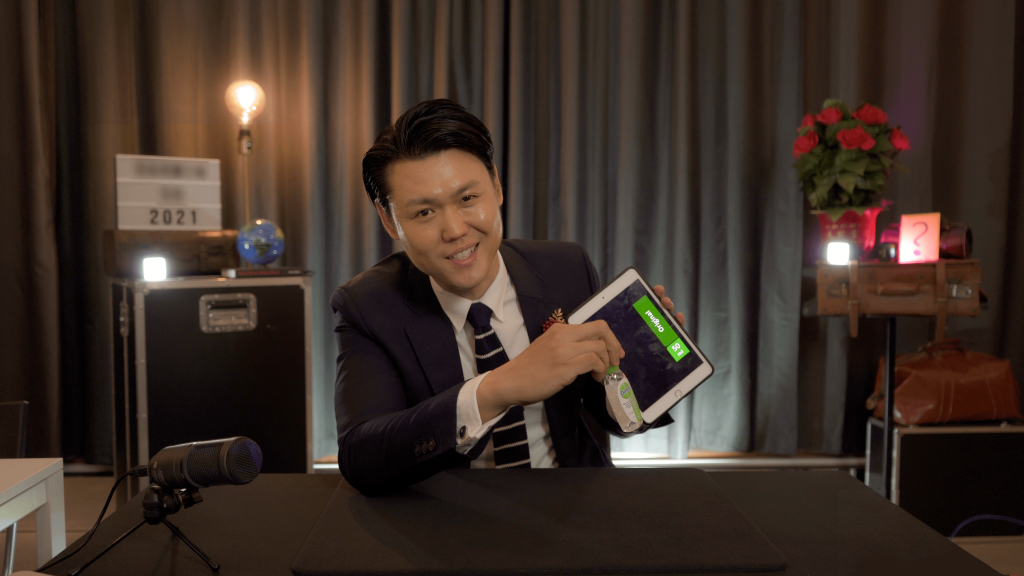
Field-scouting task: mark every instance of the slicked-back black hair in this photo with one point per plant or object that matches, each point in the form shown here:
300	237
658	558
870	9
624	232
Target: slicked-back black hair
425	129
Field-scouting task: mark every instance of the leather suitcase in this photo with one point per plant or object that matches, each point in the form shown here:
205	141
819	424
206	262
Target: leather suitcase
188	253
942	288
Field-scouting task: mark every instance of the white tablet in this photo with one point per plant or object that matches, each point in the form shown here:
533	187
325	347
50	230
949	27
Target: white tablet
662	363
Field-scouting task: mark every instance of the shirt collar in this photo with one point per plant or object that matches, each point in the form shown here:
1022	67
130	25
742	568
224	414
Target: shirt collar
457	308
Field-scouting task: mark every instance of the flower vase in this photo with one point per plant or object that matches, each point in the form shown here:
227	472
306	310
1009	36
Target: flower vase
853	225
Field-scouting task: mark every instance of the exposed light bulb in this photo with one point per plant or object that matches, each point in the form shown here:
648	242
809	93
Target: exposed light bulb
245	100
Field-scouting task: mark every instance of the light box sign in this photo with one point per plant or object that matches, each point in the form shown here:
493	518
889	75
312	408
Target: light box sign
167	193
919	237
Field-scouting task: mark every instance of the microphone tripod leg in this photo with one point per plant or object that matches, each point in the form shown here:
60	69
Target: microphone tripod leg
107	549
177	532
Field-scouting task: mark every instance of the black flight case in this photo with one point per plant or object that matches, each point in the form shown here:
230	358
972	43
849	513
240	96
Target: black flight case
206	357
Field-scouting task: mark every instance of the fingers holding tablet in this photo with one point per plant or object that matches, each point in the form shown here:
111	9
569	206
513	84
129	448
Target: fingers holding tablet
659	291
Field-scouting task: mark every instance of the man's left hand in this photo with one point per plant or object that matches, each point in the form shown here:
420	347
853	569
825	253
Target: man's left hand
659	291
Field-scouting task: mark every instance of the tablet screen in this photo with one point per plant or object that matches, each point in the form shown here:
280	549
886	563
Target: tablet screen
657	358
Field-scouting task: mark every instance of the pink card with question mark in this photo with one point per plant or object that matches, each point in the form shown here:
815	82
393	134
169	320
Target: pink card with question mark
919	237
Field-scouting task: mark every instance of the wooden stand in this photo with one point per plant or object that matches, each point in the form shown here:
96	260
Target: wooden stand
888	289
890	391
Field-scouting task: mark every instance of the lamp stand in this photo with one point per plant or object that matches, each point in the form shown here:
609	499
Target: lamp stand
245	149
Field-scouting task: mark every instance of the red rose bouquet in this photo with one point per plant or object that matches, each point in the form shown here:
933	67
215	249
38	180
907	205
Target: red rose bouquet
844	157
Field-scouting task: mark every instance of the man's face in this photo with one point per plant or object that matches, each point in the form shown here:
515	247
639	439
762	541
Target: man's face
444	210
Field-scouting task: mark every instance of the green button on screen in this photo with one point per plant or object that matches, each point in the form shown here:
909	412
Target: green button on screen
678	349
655	321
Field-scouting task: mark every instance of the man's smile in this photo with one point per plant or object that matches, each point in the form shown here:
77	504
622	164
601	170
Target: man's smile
463	254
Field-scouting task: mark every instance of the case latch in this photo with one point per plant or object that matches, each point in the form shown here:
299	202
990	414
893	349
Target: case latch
122	318
960	292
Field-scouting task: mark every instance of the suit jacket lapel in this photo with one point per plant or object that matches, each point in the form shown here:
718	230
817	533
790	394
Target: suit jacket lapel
530	290
536	308
431	334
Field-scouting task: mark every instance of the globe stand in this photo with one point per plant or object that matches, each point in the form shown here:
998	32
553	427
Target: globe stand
157	503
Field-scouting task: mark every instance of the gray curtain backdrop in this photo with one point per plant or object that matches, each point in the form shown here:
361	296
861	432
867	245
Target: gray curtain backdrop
30	323
653	133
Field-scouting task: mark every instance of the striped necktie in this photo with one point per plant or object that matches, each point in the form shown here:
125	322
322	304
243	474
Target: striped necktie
511	446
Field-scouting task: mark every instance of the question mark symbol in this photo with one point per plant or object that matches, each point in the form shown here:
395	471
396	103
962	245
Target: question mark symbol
918	237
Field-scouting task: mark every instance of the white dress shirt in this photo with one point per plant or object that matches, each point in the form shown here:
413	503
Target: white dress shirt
507	321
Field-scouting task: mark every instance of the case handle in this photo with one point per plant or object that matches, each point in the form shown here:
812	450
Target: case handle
940	345
897	289
227	312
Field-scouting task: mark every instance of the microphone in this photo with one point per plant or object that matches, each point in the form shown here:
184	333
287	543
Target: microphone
178	472
196	465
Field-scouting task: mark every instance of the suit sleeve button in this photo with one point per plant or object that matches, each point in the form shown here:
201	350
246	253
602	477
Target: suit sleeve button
432	445
424	448
418	451
462	432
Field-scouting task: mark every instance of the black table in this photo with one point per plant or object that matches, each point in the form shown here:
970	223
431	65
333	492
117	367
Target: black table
825	523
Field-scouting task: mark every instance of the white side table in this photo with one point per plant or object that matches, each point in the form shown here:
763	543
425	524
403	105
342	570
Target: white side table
35	484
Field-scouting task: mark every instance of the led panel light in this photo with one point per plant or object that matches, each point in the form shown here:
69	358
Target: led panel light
838	253
154	269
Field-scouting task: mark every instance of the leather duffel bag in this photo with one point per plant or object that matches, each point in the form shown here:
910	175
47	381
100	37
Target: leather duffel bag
944	382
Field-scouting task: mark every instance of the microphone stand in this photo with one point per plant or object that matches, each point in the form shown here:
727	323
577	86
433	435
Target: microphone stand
157	503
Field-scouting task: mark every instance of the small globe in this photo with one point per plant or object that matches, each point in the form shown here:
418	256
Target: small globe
260	242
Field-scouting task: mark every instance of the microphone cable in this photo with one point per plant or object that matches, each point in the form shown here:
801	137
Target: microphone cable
985	517
135	472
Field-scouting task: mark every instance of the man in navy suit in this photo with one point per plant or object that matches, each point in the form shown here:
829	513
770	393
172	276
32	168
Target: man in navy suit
410	399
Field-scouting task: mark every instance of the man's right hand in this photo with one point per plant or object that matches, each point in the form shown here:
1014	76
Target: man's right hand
549	364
